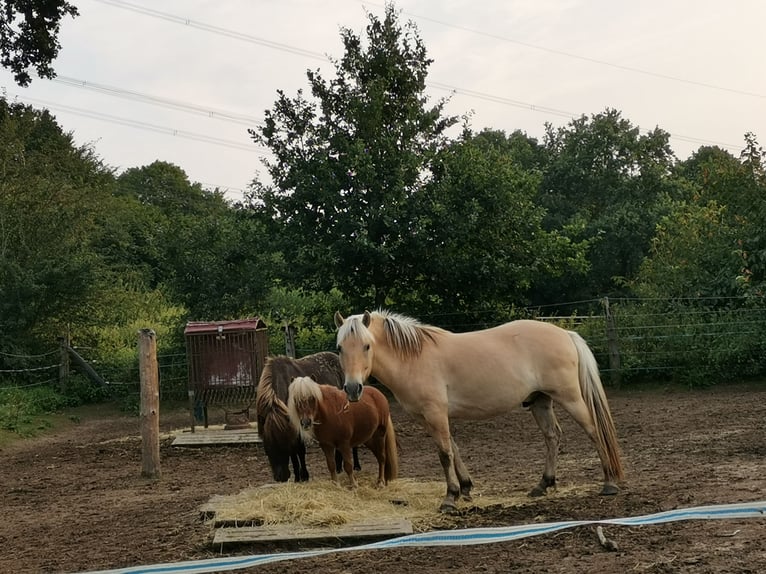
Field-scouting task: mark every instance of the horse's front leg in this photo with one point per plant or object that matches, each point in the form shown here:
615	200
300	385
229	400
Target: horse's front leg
298	460
329	455
438	427
348	466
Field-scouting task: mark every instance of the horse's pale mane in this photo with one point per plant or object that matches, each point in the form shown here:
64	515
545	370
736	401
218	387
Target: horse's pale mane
302	389
404	334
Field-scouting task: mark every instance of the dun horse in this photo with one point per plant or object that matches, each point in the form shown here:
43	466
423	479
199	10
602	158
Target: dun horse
281	440
436	374
323	413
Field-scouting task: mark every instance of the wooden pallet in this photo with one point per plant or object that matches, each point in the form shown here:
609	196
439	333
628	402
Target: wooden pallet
213	437
368	529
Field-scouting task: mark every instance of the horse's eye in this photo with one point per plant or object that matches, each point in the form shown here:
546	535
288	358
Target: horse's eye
340	349
366	348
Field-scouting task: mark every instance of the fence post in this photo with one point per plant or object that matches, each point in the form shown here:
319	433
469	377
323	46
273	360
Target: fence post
612	344
150	404
290	340
63	362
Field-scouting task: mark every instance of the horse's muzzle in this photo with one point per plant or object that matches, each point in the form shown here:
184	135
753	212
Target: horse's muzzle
353	391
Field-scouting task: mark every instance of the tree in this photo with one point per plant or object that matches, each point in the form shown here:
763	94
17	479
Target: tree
607	184
52	195
738	185
349	164
480	241
29	36
216	259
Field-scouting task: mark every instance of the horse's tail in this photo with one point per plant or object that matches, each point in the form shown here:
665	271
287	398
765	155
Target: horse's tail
391	468
595	398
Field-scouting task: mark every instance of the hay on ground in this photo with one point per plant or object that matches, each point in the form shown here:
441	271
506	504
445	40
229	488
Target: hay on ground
321	503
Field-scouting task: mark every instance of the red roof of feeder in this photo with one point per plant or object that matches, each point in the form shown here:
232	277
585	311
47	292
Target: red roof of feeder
200	327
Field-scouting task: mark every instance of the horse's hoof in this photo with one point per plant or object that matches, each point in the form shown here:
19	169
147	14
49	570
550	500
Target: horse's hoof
466	496
448	507
537	491
609	490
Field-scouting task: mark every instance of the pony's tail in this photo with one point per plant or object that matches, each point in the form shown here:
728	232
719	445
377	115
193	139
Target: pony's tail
595	398
391	468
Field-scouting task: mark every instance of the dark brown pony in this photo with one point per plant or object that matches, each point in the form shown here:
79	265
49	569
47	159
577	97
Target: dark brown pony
281	439
323	413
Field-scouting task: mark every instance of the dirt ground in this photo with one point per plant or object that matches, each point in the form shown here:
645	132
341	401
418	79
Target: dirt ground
75	501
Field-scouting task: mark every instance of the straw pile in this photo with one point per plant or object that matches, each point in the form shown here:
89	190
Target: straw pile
321	503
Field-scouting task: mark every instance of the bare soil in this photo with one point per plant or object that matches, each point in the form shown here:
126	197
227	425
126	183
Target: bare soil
74	500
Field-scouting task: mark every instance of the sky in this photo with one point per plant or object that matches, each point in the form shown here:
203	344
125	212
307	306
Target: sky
181	81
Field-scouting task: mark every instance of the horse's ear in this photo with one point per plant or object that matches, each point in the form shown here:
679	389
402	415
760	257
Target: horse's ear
338	319
366	319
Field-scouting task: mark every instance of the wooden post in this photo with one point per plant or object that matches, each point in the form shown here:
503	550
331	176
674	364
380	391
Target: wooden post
612	344
290	340
150	404
63	362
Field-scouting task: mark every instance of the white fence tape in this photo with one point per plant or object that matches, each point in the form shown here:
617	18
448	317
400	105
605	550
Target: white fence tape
464	537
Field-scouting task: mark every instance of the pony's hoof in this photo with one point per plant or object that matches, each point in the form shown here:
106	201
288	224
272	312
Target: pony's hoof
537	492
609	490
448	507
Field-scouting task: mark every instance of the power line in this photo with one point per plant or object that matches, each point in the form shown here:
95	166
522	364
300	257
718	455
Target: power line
577	56
562	113
145	125
214	29
114	91
471	93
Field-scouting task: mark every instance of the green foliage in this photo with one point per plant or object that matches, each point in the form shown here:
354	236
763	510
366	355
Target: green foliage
693	254
606	184
215	260
112	334
82	391
310	313
29	36
479	237
52	196
697	342
349	164
19	407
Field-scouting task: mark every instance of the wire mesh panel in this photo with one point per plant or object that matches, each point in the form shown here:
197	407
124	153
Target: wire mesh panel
225	361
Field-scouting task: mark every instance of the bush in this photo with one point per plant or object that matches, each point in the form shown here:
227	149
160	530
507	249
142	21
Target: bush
19	406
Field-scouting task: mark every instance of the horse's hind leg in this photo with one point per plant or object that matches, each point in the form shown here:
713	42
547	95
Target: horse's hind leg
542	410
580	413
377	444
463	476
339	460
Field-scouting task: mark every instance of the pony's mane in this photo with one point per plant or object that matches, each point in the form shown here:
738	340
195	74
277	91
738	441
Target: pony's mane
303	389
404	334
